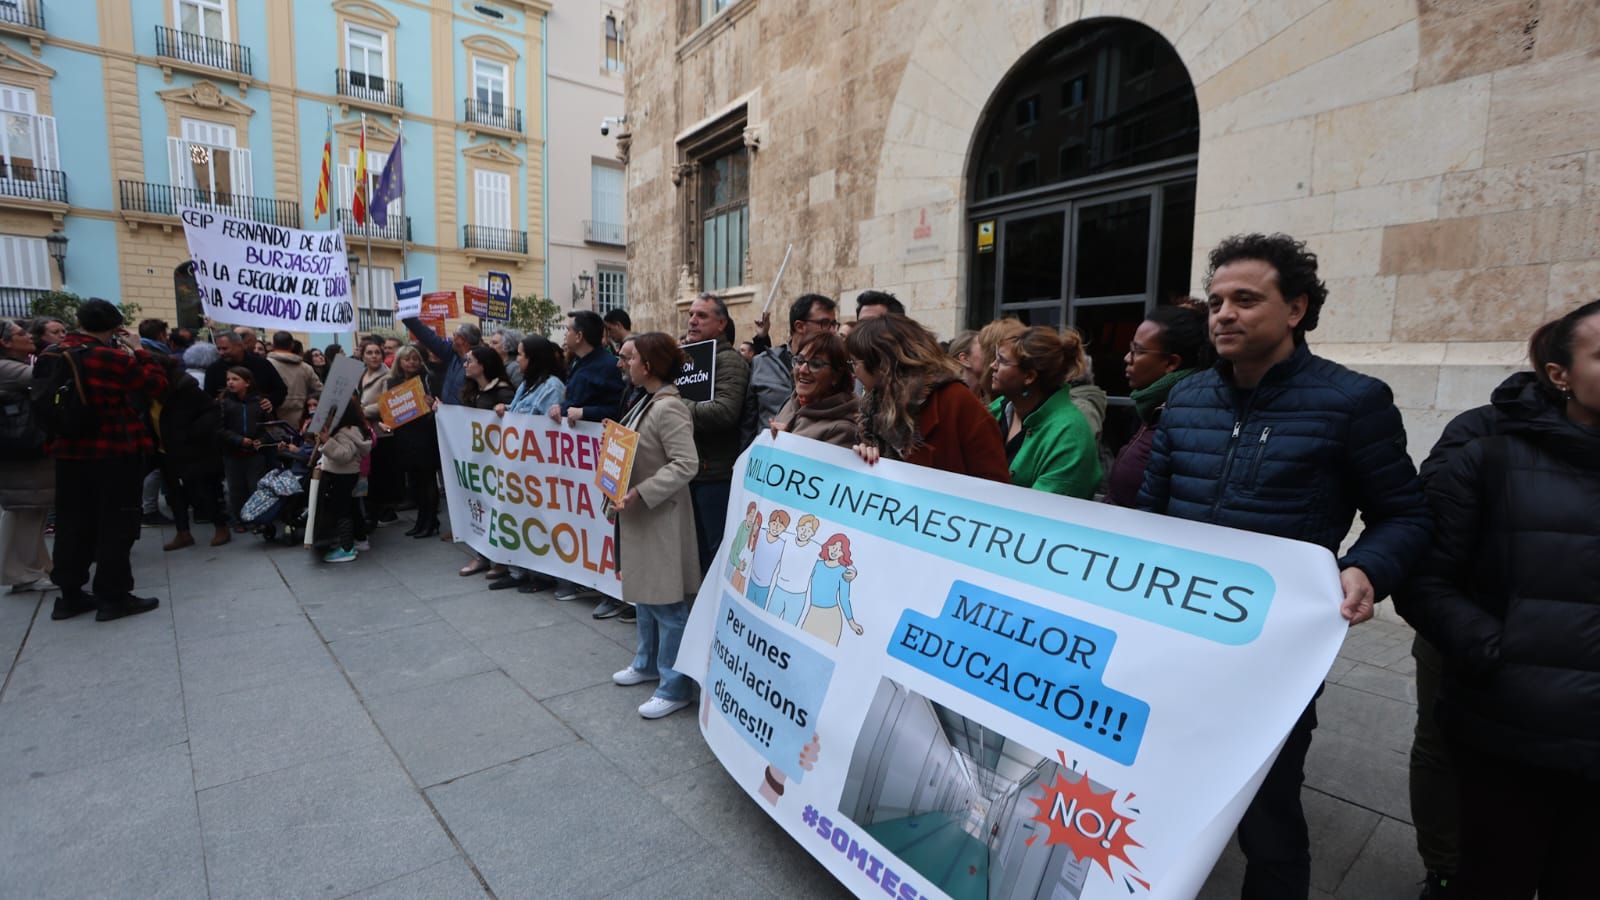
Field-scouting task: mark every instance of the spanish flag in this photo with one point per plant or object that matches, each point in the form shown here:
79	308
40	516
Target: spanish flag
321	207
358	203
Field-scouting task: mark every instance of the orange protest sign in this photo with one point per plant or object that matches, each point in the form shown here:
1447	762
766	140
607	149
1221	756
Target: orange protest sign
616	460
406	403
477	300
441	304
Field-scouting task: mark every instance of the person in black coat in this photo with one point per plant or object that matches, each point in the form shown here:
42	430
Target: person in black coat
1510	595
191	461
268	383
416	445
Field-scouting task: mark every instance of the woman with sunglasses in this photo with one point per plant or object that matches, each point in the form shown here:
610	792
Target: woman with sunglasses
824	405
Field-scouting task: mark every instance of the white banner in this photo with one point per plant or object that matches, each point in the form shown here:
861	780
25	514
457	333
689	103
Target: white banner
253	273
945	687
521	492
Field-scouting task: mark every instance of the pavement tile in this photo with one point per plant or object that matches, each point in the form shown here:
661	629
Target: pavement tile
1383	682
1388	867
1374	719
443	731
557	660
355	610
233	662
234	612
1339	831
438	578
448	880
64	670
274	726
607	716
16	617
323	828
56	733
486	614
402	659
719	810
123	828
1361	772
704	875
515	823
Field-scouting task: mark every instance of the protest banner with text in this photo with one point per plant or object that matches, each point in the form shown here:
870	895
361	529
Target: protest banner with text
941	686
521	492
253	273
697	383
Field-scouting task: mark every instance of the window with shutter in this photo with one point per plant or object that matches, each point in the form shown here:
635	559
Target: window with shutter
493	199
24	263
375	288
23	146
610	289
207	160
605	202
365	57
489	91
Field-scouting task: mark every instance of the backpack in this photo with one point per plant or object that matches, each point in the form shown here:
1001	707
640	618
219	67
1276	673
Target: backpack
59	401
20	435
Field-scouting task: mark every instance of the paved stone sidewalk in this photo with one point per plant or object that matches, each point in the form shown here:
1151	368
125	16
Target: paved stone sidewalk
285	728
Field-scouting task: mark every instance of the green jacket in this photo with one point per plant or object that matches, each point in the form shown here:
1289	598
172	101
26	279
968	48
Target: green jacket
1058	452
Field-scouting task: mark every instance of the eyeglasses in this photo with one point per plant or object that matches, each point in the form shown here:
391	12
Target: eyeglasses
1136	350
815	363
824	324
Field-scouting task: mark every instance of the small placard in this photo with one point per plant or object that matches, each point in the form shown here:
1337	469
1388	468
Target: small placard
406	403
616	460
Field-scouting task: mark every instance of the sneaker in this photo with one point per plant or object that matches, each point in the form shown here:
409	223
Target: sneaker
568	591
66	607
628	614
608	608
339	555
130	606
1437	887
156	519
631	676
656	707
363	546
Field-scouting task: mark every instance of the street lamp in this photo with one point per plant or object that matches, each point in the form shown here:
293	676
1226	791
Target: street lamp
581	288
58	252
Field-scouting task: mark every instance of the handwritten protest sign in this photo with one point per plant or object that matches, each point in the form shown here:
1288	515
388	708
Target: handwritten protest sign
344	376
408	298
403	404
521	491
253	273
861	625
476	300
616	460
698	382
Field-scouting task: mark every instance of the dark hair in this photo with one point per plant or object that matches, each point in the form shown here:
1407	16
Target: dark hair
352	416
1552	343
330	351
38	325
248	376
297	347
182	339
661	355
1184	334
152	328
493	366
728	330
1296	267
371	339
589	326
906	361
282	340
879	298
800	309
831	347
96	315
619	317
543	362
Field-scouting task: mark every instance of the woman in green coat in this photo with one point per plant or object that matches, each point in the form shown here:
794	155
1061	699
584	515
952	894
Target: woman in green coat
1049	443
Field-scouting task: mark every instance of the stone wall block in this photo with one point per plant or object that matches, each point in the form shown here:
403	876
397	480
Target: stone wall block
1378	67
1256	166
1346	254
1214	20
1572	285
1300	216
1544	109
1430	246
1470	305
1389	204
1466	386
1426	132
1491	37
1359	310
1414	387
1558	181
1567	26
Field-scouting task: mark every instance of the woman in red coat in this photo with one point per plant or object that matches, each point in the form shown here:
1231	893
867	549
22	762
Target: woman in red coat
916	408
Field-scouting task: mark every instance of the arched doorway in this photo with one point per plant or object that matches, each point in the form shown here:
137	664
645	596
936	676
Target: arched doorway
1081	188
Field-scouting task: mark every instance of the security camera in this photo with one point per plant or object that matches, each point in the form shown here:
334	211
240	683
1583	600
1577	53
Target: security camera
608	122
605	127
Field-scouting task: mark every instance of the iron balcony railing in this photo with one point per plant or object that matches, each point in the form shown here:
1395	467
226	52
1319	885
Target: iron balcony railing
26	13
371	88
398	229
32	184
503	240
202	50
493	115
370	319
17	303
604	233
165	200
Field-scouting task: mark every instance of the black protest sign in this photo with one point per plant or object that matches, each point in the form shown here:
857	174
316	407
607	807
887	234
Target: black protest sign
698	382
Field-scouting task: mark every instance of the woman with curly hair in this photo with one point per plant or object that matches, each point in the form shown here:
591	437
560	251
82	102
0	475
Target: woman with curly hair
916	408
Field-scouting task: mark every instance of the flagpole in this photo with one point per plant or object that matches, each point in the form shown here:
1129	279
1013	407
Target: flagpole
405	232
366	218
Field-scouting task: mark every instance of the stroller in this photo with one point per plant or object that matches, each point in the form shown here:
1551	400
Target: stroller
277	508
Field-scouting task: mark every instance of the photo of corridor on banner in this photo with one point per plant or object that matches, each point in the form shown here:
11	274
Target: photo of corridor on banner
942	687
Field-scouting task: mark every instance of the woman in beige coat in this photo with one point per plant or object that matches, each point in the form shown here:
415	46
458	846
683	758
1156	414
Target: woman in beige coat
656	538
27	479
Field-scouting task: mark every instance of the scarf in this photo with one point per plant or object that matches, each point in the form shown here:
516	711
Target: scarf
1147	401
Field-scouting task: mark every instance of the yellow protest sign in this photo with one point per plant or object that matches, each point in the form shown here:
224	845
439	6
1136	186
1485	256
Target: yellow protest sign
406	403
616	460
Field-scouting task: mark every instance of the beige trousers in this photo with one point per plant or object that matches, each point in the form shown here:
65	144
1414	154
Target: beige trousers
26	558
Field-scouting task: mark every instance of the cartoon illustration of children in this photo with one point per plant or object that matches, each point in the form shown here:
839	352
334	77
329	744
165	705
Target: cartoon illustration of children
764	560
788	600
743	540
830	591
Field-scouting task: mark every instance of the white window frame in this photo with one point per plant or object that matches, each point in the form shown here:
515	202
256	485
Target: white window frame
213	136
375	288
615	65
20	105
24	263
492	199
610	288
491	71
367	48
376	160
606	206
219	6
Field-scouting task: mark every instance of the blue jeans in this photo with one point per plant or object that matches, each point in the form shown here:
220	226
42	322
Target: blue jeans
786	605
660	631
710	517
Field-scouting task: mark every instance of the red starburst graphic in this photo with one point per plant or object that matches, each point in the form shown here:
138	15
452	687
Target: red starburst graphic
1084	820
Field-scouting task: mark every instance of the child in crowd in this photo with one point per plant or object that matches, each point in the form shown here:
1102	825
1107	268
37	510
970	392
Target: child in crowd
343	453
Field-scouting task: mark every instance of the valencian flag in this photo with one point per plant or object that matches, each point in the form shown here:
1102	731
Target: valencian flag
391	185
321	207
358	203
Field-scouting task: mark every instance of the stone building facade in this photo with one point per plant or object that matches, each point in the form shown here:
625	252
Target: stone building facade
1441	156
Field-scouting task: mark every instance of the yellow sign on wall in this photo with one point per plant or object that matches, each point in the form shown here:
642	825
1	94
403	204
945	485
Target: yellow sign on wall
986	236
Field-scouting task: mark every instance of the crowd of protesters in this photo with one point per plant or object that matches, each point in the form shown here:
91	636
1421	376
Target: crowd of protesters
1491	552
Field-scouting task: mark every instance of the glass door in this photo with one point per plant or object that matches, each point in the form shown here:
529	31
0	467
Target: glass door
1032	266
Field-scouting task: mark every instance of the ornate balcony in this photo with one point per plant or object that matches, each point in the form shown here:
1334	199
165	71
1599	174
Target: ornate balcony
200	53
496	240
375	91
142	200
29	183
17	303
398	230
611	233
497	116
24	18
373	319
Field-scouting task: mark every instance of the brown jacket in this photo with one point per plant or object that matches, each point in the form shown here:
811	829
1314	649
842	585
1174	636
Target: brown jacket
830	419
24	483
301	381
660	559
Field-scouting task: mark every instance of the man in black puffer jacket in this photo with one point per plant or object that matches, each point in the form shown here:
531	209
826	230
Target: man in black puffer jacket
1279	441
